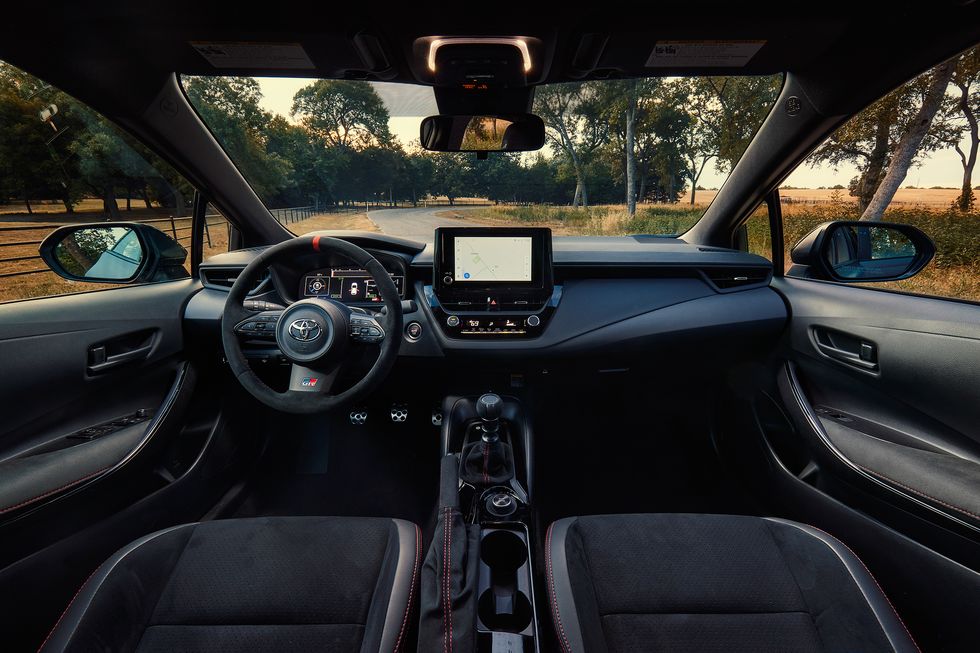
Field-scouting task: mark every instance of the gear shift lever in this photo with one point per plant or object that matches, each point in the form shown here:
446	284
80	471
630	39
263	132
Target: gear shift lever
488	408
489	460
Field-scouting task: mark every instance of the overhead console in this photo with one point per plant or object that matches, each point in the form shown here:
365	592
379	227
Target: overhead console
492	282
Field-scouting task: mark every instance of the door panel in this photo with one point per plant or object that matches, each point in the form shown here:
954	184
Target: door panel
84	377
887	385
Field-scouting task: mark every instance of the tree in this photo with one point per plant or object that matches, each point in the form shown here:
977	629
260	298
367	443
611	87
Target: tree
343	113
571	117
869	139
449	175
731	109
30	165
966	79
230	108
910	141
632	108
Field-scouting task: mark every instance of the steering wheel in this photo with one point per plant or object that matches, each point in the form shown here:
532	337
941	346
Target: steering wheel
315	335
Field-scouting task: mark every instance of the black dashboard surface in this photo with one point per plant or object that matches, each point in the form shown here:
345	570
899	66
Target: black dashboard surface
618	294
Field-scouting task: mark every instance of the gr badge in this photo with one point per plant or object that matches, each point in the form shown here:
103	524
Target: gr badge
309	382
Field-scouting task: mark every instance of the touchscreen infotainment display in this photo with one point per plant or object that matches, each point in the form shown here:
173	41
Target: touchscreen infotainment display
492	258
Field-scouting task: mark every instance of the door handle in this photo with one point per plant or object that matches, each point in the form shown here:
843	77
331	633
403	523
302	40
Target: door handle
127	349
846	348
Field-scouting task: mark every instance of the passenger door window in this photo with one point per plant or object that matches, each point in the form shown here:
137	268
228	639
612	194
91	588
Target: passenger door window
876	167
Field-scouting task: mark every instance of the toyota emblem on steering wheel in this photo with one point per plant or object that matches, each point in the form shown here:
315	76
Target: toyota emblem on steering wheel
304	330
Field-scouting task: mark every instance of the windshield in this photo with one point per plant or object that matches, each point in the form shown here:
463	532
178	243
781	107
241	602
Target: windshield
622	157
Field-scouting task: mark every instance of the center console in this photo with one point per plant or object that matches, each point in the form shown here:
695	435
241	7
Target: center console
493	439
492	283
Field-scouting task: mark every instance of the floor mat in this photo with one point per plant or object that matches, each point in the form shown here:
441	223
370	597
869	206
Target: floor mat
327	466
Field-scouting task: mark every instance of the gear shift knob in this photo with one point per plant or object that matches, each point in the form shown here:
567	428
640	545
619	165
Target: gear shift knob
488	408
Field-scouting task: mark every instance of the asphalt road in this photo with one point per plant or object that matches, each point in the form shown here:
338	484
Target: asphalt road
415	224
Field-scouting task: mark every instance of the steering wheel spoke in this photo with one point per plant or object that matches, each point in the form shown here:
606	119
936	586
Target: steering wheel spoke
303	379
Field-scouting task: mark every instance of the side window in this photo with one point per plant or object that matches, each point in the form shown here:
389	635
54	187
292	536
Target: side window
758	234
61	163
908	158
215	236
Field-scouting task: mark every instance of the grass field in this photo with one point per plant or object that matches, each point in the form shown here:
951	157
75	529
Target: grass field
934	198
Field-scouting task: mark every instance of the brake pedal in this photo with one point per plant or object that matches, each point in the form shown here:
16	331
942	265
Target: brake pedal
399	413
436	417
358	416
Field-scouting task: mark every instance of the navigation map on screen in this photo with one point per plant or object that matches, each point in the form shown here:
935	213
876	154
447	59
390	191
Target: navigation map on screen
492	258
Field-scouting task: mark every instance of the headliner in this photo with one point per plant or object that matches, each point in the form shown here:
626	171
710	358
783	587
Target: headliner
143	43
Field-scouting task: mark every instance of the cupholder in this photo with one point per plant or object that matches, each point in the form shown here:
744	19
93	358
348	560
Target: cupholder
503	552
504	606
513	619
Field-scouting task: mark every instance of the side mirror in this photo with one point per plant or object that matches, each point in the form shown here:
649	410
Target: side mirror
116	252
505	133
852	252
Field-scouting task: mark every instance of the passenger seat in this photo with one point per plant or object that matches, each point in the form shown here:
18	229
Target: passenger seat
677	582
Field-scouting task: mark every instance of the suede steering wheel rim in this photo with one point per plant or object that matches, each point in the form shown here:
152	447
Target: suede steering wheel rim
327	318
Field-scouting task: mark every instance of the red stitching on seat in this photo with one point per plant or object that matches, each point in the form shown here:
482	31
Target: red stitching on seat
411	589
920	493
70	603
54	491
877	584
549	570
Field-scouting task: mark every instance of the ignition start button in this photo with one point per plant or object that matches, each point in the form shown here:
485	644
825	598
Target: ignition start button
413	330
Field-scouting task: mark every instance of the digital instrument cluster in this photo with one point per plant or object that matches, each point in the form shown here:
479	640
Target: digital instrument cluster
347	285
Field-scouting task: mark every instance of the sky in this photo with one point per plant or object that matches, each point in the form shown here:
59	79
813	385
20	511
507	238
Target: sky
409	104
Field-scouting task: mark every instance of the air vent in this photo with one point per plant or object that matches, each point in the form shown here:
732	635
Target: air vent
725	278
224	278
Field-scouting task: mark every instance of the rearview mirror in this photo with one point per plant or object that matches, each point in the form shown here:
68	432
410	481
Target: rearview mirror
118	252
504	133
861	251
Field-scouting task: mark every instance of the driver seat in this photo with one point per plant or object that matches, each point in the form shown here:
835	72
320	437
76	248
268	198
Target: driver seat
262	584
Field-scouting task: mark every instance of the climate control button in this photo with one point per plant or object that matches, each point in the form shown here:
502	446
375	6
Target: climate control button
452	321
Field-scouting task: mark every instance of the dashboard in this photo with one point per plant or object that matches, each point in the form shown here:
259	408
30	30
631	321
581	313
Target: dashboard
484	290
